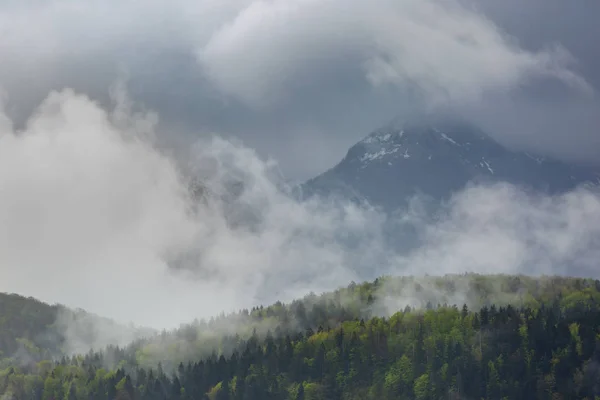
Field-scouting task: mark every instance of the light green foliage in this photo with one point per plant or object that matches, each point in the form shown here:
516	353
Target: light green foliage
344	345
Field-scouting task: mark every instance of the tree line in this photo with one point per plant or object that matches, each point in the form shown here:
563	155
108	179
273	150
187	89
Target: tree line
328	349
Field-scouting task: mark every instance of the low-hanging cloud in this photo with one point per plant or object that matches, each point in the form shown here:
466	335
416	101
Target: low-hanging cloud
95	216
497	229
505	229
300	71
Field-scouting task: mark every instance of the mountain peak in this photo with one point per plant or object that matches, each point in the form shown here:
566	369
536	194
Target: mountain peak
402	140
437	156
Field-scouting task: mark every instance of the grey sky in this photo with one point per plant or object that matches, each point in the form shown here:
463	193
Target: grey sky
302	80
93	216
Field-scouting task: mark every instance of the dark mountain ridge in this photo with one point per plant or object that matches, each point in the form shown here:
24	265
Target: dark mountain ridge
435	157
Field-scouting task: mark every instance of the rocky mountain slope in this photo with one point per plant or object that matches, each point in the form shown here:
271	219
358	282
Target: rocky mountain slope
436	157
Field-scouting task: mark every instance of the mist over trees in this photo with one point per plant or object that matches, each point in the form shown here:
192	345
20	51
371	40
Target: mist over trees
512	337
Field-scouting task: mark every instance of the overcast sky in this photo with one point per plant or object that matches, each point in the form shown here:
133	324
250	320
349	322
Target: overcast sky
302	80
96	213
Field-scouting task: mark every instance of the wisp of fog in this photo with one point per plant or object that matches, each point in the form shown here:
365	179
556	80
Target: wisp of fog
95	216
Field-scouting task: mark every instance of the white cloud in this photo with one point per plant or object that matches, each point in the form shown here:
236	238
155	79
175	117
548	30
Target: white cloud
261	51
267	70
502	229
438	47
92	215
85	210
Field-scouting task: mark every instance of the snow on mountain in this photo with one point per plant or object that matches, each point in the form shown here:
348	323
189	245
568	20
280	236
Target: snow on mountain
435	158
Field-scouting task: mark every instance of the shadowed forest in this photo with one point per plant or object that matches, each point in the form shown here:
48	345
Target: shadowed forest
513	337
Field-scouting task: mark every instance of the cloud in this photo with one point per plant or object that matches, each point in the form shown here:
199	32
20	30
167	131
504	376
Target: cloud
495	229
85	207
94	216
320	74
562	128
97	213
503	229
438	48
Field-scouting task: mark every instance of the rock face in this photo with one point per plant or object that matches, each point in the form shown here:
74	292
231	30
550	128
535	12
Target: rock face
436	157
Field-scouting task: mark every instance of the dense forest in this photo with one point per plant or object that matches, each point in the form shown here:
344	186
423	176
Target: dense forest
453	337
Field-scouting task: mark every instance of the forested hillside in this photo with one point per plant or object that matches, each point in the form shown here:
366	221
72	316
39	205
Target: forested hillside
27	322
31	330
511	337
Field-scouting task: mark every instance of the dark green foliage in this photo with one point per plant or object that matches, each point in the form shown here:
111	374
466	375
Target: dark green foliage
31	331
23	322
544	346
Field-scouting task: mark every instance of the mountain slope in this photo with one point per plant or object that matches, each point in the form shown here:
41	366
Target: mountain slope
26	320
436	157
524	350
31	330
